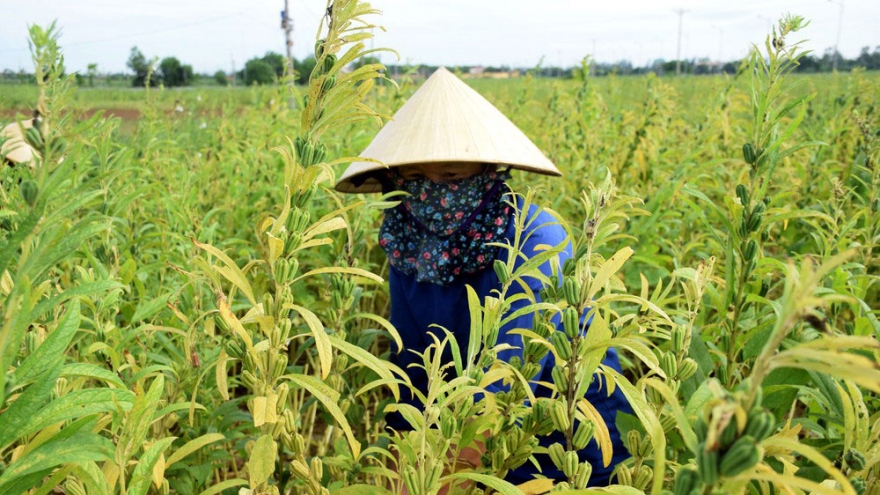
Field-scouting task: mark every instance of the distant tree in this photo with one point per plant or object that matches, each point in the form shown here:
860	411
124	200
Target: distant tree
276	61
256	71
304	69
91	73
173	73
220	78
138	63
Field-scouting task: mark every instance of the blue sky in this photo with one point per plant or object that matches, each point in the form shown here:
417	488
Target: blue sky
211	35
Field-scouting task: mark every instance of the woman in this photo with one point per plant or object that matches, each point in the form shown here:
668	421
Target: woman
451	151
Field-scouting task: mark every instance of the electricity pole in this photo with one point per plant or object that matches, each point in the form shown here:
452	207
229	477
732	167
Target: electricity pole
839	26
287	26
680	13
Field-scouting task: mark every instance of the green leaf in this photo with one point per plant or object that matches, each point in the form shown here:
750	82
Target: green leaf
322	340
360	490
80	447
261	463
91	371
330	399
138	420
192	446
79	403
380	367
609	268
497	484
15	418
51	350
224	485
149	308
142	475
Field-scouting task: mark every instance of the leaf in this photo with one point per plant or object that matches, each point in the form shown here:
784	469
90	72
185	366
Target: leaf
149	308
609	268
221	374
380	367
16	417
143	471
192	446
224	485
475	341
230	270
51	350
91	371
78	448
261	463
329	398
340	269
76	404
322	340
497	484
138	420
536	487
602	435
360	490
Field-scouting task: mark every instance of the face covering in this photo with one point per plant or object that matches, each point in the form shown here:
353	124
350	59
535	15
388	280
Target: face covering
441	230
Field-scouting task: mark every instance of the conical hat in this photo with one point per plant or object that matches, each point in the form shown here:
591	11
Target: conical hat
446	121
14	147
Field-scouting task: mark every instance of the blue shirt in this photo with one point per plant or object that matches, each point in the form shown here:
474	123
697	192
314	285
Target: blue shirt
416	306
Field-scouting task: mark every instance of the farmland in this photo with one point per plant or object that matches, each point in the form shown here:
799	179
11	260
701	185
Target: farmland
188	307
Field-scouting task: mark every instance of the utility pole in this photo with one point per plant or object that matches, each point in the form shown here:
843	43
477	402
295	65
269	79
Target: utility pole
287	26
839	26
680	13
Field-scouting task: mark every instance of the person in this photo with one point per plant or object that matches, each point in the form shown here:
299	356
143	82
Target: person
452	152
14	149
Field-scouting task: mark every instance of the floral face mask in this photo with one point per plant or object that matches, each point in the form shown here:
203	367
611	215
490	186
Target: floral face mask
441	230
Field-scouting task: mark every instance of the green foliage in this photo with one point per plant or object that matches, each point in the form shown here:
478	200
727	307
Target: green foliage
173	73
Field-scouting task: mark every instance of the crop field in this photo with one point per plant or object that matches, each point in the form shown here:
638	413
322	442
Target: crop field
186	305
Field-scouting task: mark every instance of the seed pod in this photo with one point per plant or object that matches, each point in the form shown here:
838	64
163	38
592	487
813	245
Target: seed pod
582	435
411	479
760	425
645	449
744	226
571	291
686	479
34	137
447	426
707	463
300	469
750	250
729	434
643	477
557	455
743	194
248	379
501	271
633	442
742	455
319	48
669	364
687	369
582	477
858	485
250	360
571	322
280	366
701	429
624	475
530	370
749	154
29	192
562	344
855	460
570	465
72	487
329	82
329	62
434	476
559	415
679	335
317	468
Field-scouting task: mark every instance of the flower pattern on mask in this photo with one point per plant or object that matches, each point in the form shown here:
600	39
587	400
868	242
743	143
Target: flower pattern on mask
443	230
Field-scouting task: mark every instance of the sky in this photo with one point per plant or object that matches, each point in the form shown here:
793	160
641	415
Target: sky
216	35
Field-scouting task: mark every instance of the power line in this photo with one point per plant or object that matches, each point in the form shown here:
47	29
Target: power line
135	35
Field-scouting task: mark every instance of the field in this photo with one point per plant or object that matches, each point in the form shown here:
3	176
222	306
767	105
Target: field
188	307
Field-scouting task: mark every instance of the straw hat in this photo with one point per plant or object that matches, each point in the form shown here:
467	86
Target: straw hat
14	147
445	121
